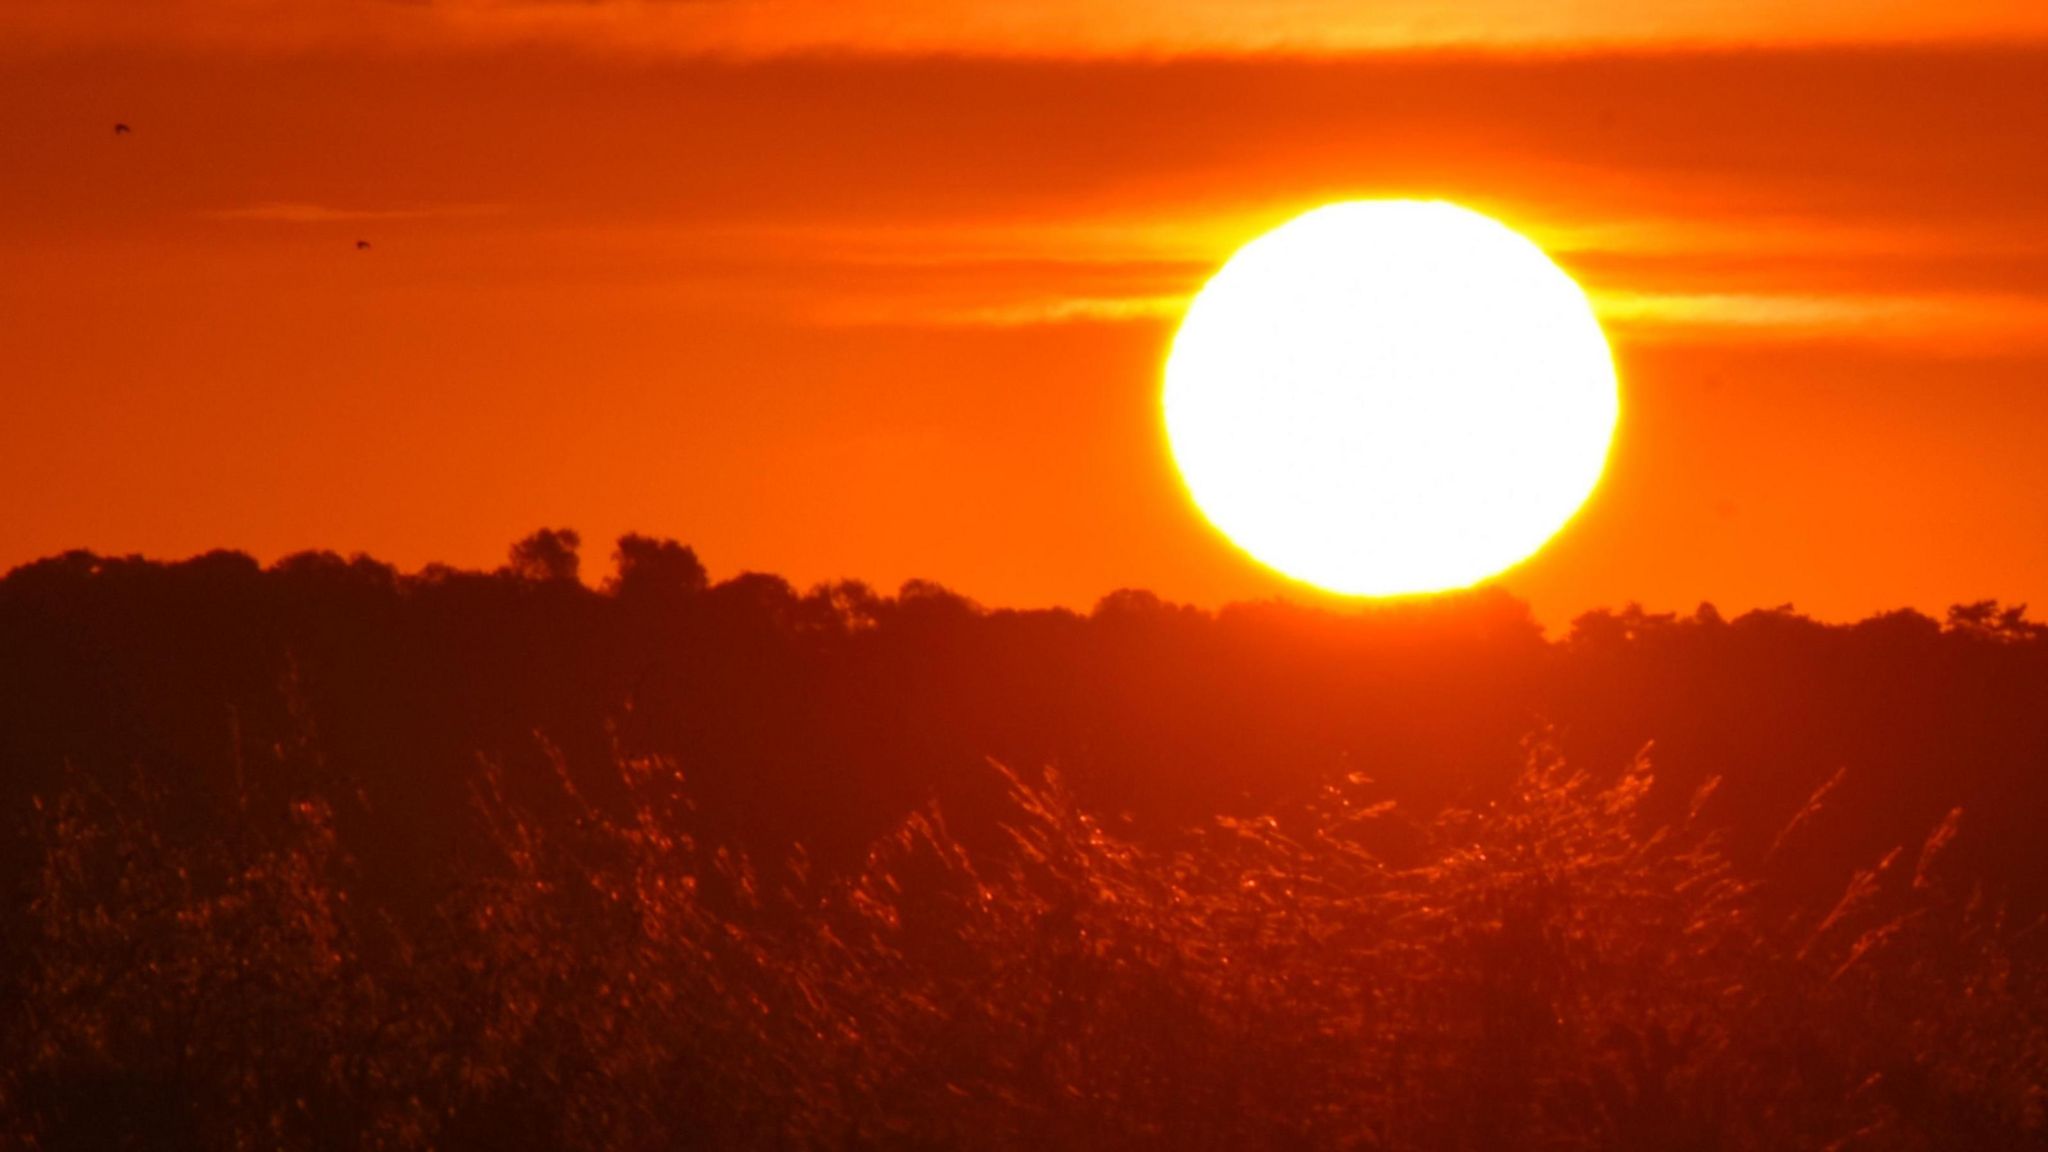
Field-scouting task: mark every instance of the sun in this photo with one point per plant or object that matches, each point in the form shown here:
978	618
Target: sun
1390	396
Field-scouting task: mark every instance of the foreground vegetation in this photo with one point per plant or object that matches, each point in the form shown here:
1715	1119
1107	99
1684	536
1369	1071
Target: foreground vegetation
319	855
1553	971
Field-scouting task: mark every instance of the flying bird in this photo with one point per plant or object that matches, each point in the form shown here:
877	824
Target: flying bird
122	130
362	245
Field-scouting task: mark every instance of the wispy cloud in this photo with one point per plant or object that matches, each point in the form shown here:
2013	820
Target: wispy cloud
1018	314
302	212
1050	28
1962	323
1663	280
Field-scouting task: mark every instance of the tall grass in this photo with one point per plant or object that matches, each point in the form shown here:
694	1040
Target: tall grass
1552	970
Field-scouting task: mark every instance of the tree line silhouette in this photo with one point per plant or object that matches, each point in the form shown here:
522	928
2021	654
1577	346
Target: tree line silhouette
326	855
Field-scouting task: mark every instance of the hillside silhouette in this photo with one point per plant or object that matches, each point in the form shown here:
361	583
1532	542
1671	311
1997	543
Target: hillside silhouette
322	854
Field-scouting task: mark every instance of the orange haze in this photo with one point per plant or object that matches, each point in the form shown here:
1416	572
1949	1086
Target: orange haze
888	313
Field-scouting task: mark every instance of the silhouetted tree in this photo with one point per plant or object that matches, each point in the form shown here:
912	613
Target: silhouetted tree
647	568
547	556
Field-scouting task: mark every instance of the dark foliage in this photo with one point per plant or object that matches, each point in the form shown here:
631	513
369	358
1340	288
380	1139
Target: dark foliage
322	855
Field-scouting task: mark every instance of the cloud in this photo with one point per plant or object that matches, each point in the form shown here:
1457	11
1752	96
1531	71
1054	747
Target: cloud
1097	273
1962	324
308	214
1058	28
1858	195
1018	314
293	212
1663	279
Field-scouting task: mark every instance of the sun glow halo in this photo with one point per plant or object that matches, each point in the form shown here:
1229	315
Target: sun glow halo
1388	397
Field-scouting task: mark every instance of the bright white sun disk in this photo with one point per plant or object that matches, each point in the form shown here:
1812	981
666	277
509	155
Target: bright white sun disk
1394	396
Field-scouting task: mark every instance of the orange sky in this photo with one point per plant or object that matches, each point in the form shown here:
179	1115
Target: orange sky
882	313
